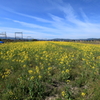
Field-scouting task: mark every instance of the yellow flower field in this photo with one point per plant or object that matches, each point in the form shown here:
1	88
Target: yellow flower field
37	70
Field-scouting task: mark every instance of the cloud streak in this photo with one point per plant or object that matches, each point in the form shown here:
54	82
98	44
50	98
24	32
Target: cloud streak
67	26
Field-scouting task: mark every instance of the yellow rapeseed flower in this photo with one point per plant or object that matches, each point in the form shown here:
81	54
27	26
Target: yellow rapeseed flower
67	81
40	76
37	69
24	66
63	93
67	71
49	68
30	71
93	67
32	77
83	94
62	72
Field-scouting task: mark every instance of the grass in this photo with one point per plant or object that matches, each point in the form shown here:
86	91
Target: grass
44	70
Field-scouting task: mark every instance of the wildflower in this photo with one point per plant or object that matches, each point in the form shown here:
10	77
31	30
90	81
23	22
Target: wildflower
62	72
49	68
40	76
67	81
24	66
83	94
61	62
32	77
3	76
37	69
63	93
93	67
30	71
8	71
67	71
48	73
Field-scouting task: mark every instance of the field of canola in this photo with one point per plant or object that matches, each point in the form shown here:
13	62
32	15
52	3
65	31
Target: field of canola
49	71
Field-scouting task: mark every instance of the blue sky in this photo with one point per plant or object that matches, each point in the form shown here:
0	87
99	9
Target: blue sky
46	19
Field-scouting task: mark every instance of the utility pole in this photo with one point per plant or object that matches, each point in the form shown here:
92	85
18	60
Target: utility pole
4	34
18	33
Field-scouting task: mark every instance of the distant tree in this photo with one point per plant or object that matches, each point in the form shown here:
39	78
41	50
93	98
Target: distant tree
34	40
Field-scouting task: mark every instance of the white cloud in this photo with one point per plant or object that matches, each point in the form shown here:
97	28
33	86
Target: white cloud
33	17
86	19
